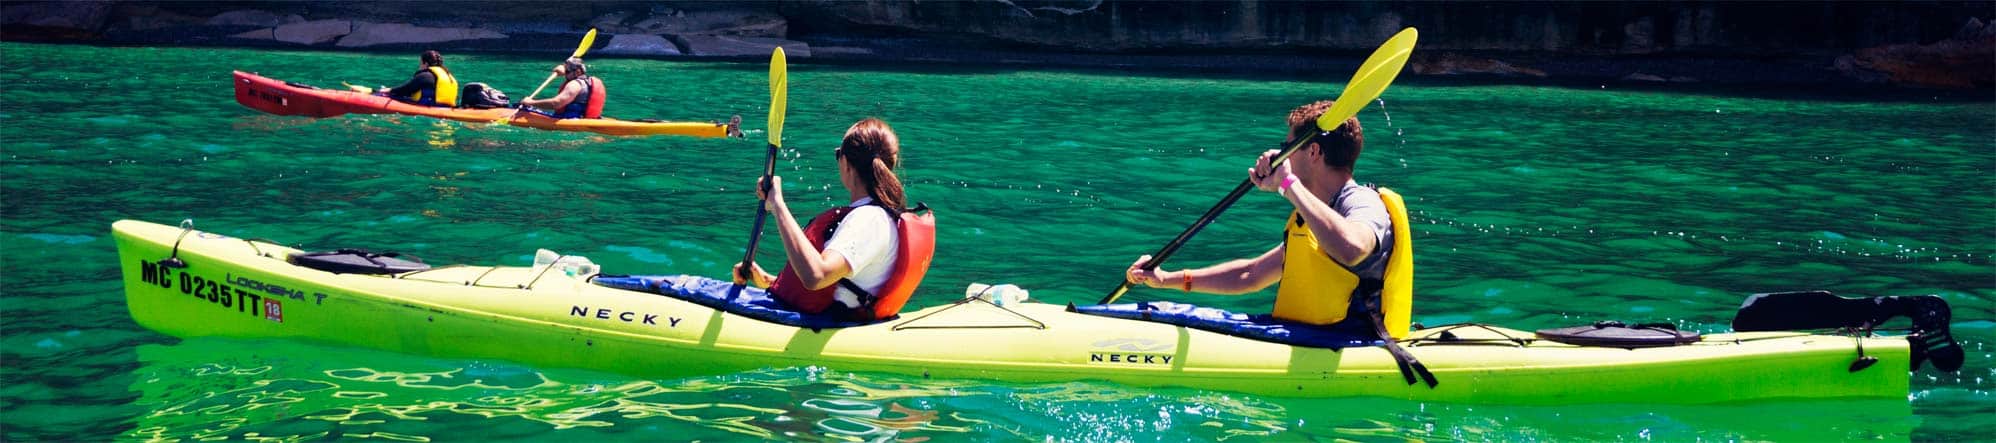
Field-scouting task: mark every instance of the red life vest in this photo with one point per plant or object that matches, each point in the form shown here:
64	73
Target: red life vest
596	95
911	262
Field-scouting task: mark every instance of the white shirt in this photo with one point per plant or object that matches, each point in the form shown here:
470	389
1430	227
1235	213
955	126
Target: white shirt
867	239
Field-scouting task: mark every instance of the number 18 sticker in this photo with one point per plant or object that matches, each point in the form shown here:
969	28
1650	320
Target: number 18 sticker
273	310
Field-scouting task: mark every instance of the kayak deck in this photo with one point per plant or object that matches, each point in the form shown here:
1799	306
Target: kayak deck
285	98
239	288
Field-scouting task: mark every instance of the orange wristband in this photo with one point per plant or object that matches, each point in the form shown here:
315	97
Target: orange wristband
1187	285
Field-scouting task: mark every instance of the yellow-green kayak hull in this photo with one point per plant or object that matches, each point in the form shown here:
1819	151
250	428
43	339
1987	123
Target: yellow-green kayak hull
239	288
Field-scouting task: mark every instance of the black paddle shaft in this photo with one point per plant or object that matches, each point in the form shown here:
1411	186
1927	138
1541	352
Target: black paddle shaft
761	212
1211	214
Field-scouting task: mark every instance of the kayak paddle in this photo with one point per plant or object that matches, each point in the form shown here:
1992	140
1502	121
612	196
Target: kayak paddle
779	81
1364	87
587	41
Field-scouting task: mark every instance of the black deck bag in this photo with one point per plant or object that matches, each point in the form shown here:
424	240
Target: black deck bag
1618	335
356	261
481	96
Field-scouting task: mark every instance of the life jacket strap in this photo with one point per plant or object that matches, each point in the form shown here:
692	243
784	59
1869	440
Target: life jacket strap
1409	366
865	298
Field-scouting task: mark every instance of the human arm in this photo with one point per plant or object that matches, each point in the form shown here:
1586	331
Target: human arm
569	90
1233	277
1345	240
421	81
815	269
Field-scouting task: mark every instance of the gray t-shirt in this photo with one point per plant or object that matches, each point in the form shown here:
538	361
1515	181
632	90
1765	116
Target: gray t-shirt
1361	204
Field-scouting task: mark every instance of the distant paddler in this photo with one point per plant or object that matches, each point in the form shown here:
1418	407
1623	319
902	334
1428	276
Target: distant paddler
431	85
581	94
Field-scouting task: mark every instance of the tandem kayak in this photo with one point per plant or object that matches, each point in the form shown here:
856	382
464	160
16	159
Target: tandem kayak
191	283
287	98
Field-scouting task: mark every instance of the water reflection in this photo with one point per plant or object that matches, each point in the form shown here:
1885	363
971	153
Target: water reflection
281	398
442	135
278	391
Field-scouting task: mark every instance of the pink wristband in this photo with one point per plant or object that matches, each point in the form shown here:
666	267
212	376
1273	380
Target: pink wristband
1286	181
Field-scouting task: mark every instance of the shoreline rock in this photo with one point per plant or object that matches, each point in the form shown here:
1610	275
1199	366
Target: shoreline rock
253	17
726	46
366	34
639	44
312	32
1965	61
1631	43
256	34
53	20
1449	63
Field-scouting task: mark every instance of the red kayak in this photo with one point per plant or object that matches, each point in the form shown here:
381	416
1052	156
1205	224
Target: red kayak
287	98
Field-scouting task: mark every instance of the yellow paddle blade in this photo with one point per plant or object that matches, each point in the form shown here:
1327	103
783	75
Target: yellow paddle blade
779	81
587	41
1371	79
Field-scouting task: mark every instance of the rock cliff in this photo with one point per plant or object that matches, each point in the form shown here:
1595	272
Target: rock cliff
1926	44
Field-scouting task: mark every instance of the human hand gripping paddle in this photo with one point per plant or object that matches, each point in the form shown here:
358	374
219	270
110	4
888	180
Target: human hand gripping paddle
587	41
779	81
1365	86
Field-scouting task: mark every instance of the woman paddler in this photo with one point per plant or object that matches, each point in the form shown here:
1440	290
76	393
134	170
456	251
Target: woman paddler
431	85
862	260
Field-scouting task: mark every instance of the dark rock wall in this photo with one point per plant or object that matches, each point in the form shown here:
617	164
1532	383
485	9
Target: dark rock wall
1105	25
1567	27
1925	43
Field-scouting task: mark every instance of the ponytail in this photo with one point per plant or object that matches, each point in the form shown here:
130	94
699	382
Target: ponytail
873	151
887	188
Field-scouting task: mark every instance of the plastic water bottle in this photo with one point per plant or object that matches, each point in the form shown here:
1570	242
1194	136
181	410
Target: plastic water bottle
573	266
1001	295
544	257
580	267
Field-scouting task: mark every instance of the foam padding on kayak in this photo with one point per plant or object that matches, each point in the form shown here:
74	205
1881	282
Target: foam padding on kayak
1262	327
746	301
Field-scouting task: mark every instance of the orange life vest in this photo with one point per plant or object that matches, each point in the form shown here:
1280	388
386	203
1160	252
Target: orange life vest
911	262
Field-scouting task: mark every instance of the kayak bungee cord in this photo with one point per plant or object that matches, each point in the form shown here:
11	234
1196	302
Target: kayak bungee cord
173	260
967	300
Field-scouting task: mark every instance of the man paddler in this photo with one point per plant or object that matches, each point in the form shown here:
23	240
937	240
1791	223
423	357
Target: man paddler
1333	256
581	94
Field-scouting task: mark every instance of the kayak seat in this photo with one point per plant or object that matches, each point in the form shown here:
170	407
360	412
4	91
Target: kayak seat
746	301
1263	327
357	261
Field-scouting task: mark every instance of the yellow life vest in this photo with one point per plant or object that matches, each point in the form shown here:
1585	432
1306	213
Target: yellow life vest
1318	290
446	90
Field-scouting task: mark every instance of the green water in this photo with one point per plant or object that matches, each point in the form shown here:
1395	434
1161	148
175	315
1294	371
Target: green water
1534	207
